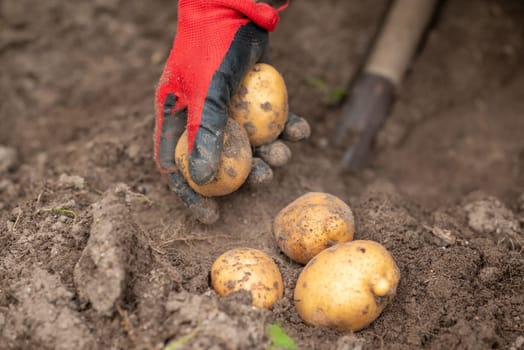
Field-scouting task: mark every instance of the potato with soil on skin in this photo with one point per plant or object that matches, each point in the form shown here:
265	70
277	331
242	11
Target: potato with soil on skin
235	162
347	286
248	269
261	104
312	223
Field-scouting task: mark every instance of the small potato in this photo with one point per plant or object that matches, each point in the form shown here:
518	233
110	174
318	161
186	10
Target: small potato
251	270
347	286
261	104
234	167
312	223
276	154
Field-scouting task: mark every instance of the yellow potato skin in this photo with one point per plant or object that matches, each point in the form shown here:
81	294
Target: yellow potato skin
234	167
248	269
261	104
312	223
347	286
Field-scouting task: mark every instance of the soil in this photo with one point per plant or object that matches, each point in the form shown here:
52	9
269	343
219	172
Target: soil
96	253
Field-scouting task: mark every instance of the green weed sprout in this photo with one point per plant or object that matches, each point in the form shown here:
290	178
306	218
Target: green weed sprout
279	338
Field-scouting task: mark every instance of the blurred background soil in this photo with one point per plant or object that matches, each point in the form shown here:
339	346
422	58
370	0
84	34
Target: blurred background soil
96	253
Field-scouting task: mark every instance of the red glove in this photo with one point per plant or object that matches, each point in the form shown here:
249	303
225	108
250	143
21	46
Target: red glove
216	44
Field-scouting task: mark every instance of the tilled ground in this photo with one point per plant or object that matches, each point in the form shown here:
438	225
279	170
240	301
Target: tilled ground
96	253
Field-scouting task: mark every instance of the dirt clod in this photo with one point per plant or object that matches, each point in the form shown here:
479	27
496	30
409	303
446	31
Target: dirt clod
491	218
45	313
77	92
219	324
8	158
206	211
101	272
71	181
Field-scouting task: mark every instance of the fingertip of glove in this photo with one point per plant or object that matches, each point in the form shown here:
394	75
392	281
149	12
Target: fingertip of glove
206	211
273	21
271	16
202	171
261	173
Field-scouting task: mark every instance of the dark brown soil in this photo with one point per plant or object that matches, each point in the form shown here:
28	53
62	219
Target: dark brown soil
96	253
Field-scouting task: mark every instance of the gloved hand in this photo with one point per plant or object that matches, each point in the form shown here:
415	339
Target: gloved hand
216	44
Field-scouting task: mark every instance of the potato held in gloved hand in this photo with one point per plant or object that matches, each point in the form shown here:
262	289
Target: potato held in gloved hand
216	44
261	107
261	104
234	166
258	117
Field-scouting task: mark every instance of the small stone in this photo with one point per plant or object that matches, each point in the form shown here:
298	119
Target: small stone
8	158
108	5
446	236
490	217
7	187
489	274
69	204
322	142
71	181
77	229
350	342
520	202
121	189
518	344
133	152
57	226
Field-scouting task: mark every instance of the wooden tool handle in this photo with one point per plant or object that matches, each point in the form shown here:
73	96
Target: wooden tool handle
399	37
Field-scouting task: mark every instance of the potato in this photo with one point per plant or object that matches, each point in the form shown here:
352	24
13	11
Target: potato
251	270
312	223
347	286
234	167
261	104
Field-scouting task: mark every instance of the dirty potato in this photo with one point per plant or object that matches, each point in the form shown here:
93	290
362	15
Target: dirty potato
347	286
312	223
251	270
234	167
261	104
